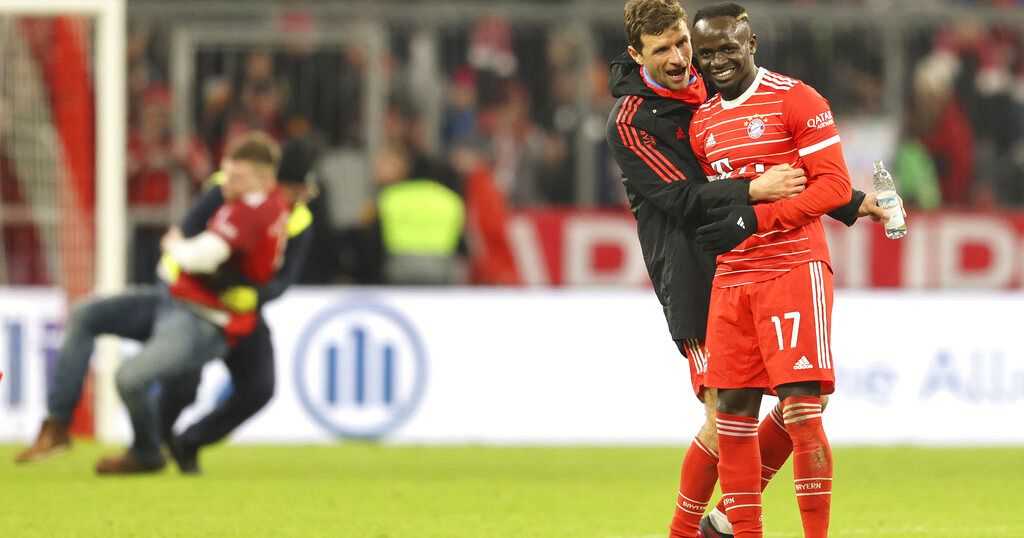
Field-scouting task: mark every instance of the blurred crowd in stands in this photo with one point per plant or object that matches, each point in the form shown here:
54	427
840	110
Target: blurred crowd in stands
523	109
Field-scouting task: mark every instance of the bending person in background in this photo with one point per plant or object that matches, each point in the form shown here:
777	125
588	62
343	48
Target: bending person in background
135	313
200	322
251	361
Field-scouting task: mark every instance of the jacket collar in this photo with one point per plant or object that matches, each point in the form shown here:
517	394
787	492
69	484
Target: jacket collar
627	78
693	95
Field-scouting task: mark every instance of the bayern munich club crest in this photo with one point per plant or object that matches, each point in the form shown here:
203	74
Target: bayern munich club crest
755	127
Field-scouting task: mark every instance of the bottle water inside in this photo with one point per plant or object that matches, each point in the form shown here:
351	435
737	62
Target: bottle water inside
885	190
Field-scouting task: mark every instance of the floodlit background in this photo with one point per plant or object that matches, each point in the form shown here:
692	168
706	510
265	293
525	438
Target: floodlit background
539	334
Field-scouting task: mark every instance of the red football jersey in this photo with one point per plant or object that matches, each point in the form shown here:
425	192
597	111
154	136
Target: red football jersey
778	120
255	227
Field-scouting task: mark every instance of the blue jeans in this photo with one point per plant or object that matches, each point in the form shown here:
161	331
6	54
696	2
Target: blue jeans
128	315
176	340
182	341
251	364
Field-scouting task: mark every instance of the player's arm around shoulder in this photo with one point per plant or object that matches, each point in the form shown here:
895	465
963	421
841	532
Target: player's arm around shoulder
778	182
209	201
661	166
808	118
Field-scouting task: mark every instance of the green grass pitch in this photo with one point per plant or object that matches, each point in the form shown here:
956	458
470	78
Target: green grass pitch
353	490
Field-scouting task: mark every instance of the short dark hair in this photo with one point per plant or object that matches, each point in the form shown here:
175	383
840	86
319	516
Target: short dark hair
257	148
297	159
723	9
650	17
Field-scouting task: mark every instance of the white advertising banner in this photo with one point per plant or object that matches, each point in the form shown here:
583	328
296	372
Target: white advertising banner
597	367
928	368
467	366
31	324
567	367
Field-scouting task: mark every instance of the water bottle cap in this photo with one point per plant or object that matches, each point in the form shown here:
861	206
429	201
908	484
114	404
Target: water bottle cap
879	166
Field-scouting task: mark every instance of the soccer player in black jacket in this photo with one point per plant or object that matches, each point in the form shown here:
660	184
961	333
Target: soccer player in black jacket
669	196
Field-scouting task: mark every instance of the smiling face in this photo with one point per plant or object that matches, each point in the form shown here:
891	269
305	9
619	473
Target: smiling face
666	56
725	49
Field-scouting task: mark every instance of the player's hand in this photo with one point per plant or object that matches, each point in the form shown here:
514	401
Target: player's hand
731	226
869	208
779	182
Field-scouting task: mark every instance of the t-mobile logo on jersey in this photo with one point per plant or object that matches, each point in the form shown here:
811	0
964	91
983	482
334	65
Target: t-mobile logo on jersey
360	369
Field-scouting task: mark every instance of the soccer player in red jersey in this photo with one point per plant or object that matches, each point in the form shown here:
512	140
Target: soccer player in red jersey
245	237
647	131
770	316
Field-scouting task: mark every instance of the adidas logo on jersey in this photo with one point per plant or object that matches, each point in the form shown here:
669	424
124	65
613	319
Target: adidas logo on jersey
711	140
802	364
740	223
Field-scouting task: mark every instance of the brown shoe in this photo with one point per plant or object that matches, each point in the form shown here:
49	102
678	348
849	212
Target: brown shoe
53	439
128	463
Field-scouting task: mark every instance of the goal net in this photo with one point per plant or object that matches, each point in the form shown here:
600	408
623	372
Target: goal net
47	152
62	140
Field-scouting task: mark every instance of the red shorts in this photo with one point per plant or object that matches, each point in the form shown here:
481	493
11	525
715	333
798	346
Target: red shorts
696	354
770	333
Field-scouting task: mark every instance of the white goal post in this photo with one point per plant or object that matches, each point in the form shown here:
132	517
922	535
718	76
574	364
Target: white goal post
109	75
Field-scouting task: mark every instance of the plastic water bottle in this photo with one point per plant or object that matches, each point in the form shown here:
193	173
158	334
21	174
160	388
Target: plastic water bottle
885	190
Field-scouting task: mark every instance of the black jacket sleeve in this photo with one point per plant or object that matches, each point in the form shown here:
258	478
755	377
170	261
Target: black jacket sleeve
847	214
295	255
675	185
201	212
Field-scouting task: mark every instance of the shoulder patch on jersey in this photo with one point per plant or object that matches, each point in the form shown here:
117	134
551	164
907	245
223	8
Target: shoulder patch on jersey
821	121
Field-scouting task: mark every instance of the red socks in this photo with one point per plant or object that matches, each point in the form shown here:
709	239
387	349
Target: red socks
797	429
696	484
775	446
812	463
739	467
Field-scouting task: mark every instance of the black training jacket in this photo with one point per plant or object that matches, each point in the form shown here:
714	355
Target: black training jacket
669	194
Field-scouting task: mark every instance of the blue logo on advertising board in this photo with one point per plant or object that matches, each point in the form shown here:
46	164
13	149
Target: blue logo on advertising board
15	340
360	369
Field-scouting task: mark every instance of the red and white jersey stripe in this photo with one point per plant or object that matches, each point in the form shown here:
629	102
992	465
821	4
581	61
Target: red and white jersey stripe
696	350
778	120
